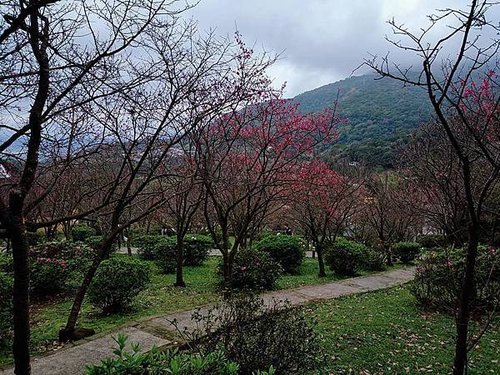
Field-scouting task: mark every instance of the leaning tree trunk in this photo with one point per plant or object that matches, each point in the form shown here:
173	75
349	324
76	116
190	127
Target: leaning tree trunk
20	251
179	278
67	332
460	360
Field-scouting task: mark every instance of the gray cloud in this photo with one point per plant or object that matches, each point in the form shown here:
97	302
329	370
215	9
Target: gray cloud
319	41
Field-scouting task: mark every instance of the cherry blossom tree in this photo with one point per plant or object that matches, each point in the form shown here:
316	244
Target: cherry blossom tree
323	203
245	157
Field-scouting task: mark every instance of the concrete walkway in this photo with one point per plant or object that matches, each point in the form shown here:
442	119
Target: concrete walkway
158	331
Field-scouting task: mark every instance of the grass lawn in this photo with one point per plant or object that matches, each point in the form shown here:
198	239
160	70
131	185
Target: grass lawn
384	333
161	297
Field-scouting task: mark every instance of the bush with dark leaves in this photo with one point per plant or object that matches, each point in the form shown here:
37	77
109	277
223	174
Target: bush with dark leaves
253	270
438	280
407	251
117	282
258	336
346	257
288	251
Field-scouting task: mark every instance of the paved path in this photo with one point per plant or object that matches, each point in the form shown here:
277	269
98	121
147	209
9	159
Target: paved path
159	331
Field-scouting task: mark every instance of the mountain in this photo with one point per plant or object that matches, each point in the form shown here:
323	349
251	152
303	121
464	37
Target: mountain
381	114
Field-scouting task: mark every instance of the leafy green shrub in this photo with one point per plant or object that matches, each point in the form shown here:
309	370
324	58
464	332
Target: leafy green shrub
48	276
6	263
162	362
94	242
117	281
288	251
77	255
253	270
5	309
346	257
432	241
159	248
81	232
259	336
438	279
196	249
407	251
373	260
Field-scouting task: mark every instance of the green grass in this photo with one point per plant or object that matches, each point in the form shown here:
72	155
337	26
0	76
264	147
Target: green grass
161	297
384	333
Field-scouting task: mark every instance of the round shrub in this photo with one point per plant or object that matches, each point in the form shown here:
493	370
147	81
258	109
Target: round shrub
373	260
253	270
407	251
432	241
196	249
48	276
117	282
94	241
5	309
166	250
77	255
438	279
81	232
288	251
345	257
159	248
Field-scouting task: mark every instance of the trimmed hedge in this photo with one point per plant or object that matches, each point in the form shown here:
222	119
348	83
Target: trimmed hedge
81	232
288	251
253	270
407	251
346	257
117	282
196	249
48	276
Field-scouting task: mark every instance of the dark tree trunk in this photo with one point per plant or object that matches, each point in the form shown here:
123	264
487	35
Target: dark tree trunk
227	260
460	360
321	262
66	332
20	251
179	278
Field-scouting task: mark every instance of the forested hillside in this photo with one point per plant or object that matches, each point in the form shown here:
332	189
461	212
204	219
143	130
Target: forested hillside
381	113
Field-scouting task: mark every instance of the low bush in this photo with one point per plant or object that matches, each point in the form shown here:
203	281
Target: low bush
77	255
5	309
438	280
288	251
432	241
260	337
407	251
48	276
81	232
117	282
159	362
94	242
6	263
196	249
253	270
346	257
373	260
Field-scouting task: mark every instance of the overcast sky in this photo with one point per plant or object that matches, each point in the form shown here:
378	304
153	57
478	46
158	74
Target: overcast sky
319	41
